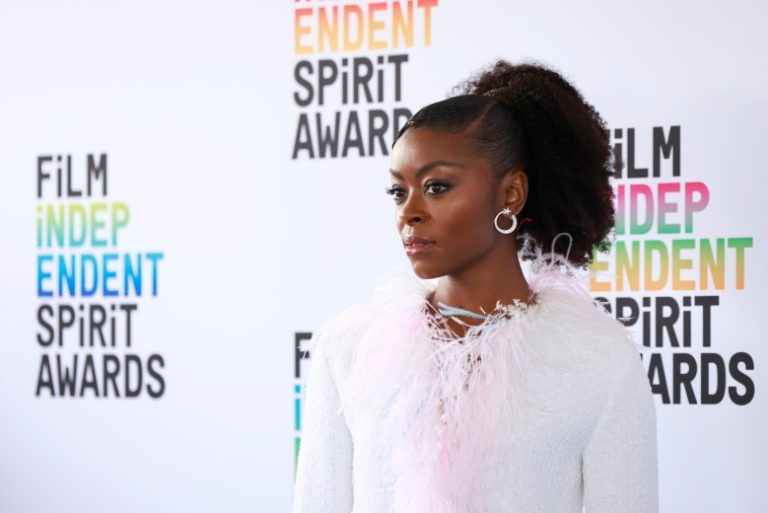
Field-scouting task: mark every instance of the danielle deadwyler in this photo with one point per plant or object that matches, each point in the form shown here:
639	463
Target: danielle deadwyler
466	385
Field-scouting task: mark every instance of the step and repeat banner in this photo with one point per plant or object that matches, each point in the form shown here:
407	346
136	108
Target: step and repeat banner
190	189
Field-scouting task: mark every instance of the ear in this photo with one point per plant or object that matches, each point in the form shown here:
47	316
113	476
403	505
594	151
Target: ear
513	190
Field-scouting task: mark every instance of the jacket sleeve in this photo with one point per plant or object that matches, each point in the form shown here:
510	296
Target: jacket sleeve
620	462
324	469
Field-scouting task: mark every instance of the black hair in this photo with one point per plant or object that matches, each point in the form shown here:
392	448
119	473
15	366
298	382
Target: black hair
528	116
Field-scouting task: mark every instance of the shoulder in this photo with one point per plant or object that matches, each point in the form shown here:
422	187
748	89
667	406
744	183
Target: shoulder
589	356
578	329
398	294
396	290
334	337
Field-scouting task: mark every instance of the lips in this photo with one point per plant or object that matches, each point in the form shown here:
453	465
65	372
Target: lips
415	246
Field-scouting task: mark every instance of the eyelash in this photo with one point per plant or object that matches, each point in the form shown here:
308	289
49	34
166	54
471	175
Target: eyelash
392	190
395	189
444	186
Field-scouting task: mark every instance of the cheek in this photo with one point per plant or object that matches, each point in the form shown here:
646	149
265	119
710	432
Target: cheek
468	221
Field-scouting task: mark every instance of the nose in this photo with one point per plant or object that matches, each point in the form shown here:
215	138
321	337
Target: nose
411	211
413	220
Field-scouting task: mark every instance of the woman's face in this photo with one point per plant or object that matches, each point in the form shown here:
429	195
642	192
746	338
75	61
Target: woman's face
446	200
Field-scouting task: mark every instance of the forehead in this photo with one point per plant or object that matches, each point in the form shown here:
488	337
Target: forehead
420	146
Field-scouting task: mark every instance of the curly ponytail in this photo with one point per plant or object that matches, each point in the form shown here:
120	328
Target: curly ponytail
529	116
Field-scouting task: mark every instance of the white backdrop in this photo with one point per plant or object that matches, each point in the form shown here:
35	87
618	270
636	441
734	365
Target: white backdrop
193	105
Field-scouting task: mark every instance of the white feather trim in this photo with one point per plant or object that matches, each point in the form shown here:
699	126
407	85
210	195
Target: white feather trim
447	401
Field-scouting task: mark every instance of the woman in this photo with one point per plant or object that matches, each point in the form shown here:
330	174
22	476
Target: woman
470	387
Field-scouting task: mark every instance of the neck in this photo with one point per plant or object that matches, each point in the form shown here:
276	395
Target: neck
477	288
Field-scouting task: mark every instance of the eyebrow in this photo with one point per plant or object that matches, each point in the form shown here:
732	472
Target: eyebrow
428	167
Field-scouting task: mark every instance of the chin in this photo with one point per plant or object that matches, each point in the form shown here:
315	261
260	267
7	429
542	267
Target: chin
426	270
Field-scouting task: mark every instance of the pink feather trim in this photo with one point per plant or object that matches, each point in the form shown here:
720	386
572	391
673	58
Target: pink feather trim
448	401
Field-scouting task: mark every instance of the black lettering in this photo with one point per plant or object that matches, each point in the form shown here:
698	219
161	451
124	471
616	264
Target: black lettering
303	139
42	175
65	321
136	361
605	303
97	323
357	140
361	80
632	171
377	131
618	133
707	360
627	310
71	192
666	322
306	84
706	302
656	370
327	139
98	172
398	61
45	309
111	371
298	354
399	114
684	379
66	380
155	374
740	377
666	147
89	376
325	80
128	308
44	377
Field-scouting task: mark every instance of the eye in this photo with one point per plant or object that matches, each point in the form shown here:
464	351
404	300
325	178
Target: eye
396	192
435	188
